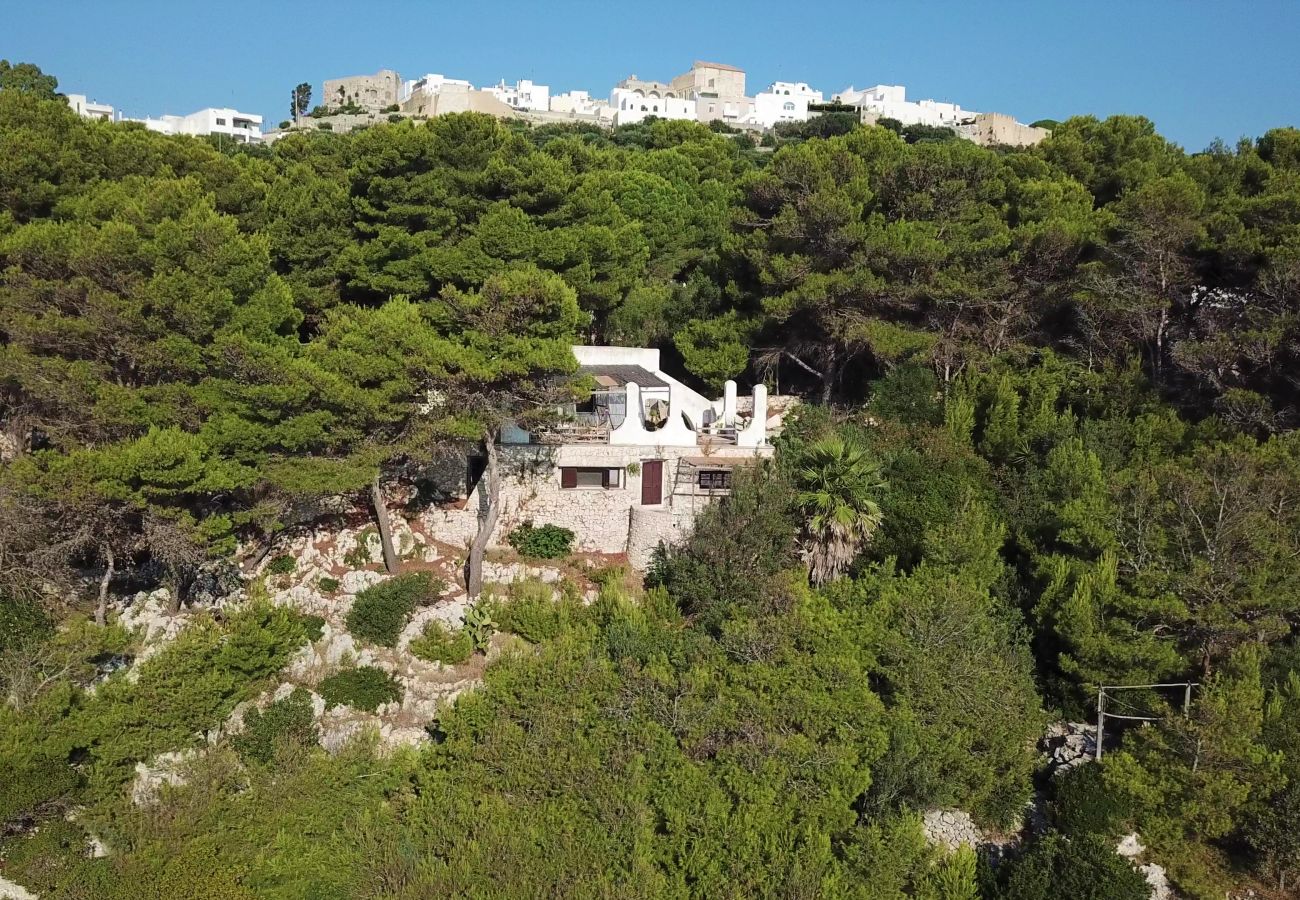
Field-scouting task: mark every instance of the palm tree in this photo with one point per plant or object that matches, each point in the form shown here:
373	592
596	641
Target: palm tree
838	482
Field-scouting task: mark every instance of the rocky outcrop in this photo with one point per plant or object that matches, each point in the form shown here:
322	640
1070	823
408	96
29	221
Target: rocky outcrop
150	618
163	769
1130	847
10	890
1068	744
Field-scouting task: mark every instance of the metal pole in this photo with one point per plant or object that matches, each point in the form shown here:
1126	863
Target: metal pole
1101	719
1187	699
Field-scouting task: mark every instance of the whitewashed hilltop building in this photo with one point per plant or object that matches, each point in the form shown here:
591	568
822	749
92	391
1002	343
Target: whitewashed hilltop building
246	128
707	92
577	103
630	103
436	95
429	84
523	94
783	101
625	470
889	101
91	109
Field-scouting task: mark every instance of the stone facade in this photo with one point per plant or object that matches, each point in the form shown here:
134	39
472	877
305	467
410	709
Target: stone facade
609	519
711	80
371	92
998	129
453	97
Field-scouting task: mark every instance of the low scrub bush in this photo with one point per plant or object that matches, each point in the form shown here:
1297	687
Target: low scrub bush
544	542
288	721
380	612
1083	804
313	627
532	612
1086	867
281	565
328	585
440	644
365	688
22	622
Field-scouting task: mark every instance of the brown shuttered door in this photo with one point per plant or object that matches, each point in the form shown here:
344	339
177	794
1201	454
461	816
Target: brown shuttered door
652	482
568	477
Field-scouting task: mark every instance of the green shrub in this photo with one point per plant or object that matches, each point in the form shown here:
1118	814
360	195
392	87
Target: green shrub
439	644
546	542
1082	868
607	575
286	721
327	585
281	565
394	117
22	622
533	613
313	627
1083	805
380	612
363	688
32	777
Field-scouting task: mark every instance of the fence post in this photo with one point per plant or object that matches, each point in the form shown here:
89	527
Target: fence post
1101	718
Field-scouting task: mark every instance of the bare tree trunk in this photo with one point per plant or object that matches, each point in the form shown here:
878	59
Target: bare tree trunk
385	531
830	376
101	608
177	588
492	477
1160	341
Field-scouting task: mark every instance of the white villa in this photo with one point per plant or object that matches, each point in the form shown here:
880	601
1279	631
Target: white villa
91	109
625	470
246	128
889	101
523	94
784	101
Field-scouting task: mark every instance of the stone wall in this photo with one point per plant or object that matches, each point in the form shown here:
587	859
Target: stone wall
998	129
373	92
603	520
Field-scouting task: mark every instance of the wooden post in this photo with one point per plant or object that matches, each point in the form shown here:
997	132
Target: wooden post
1101	719
1187	699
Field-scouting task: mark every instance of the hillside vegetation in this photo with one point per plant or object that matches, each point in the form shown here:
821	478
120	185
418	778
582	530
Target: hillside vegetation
1048	444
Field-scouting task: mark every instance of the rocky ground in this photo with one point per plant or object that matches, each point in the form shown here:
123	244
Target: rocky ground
331	566
1064	746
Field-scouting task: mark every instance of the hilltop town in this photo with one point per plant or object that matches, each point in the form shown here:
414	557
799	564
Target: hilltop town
708	92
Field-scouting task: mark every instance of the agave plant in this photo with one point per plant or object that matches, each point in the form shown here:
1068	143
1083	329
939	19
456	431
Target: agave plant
838	484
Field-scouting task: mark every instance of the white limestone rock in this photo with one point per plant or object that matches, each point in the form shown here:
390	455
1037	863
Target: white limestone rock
164	769
358	580
1130	846
12	890
1155	875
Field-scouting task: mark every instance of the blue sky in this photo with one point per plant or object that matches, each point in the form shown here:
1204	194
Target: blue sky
1200	69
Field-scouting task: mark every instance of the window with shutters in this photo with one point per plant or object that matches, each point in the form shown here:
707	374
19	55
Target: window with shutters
573	477
715	479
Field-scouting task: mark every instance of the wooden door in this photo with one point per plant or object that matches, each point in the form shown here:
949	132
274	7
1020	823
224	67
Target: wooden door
652	482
